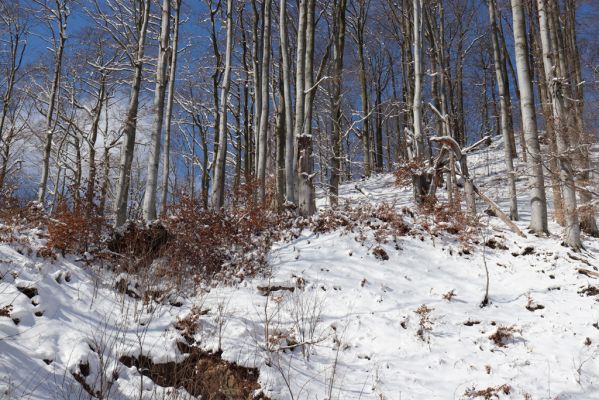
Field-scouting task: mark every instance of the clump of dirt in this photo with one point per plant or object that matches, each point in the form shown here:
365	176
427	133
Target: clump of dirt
201	374
380	254
589	291
528	250
496	244
28	291
5	311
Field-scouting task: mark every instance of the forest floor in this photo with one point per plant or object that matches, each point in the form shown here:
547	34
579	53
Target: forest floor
341	314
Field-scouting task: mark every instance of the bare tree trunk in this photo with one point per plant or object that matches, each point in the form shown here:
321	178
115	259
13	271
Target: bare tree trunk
280	145
554	83
545	99
299	76
417	101
306	195
588	223
61	14
149	203
91	179
503	109
538	202
264	112
257	85
339	46
290	145
218	186
365	135
169	110
130	125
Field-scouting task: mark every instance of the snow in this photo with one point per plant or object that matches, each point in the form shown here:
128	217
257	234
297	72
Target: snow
355	313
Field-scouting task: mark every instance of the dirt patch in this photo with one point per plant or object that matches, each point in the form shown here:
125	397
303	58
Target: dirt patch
28	291
589	291
201	374
495	244
380	254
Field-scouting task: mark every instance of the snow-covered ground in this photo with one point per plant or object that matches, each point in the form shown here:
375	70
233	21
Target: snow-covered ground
355	313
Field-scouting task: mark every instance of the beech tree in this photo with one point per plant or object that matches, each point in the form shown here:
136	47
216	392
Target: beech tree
538	202
56	14
140	19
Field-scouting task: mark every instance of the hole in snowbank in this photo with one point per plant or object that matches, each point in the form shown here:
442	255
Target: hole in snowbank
201	374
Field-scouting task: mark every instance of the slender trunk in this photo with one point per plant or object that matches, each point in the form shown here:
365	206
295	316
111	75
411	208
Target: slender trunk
306	197
538	202
218	185
588	223
299	78
149	202
62	13
130	125
365	103
264	112
257	86
339	47
290	154
503	110
92	172
280	147
554	83
169	110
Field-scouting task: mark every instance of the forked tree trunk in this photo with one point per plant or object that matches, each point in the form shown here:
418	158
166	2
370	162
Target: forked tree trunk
538	202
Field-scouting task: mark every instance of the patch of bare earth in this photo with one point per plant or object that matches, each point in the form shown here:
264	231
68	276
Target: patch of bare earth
202	374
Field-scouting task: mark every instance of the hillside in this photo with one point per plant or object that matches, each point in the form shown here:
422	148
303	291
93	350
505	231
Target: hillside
351	311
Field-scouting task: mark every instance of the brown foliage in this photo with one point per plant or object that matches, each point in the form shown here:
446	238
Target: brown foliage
488	393
503	335
75	228
217	245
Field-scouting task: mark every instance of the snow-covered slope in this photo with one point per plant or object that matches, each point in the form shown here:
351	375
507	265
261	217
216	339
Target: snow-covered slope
406	327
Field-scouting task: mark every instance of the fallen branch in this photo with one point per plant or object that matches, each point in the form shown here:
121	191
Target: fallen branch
502	216
588	272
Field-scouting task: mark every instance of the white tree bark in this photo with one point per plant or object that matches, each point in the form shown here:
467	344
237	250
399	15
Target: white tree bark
264	112
299	77
538	202
130	125
169	109
417	105
306	194
218	186
290	155
554	84
503	111
61	14
149	204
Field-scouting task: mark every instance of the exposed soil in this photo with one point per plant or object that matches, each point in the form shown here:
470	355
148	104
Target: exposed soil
201	374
